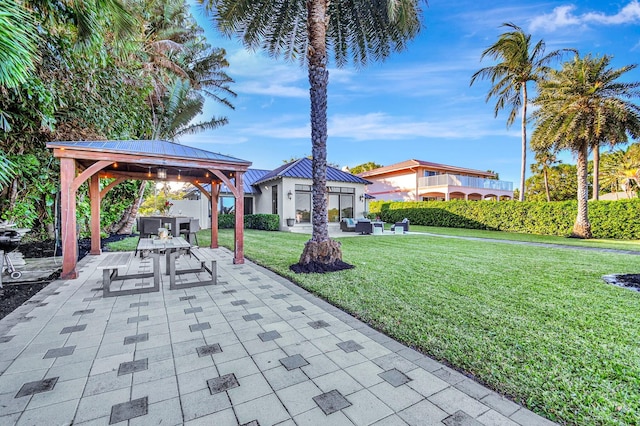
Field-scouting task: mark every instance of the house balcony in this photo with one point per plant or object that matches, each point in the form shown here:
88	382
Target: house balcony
449	187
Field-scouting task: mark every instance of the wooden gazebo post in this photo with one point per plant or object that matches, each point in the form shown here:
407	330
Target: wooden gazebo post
238	253
94	195
215	191
68	222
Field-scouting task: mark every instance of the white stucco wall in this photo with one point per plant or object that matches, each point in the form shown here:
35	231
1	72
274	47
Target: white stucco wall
192	208
393	188
286	206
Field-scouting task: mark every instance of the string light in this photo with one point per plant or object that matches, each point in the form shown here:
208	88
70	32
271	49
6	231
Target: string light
149	173
179	174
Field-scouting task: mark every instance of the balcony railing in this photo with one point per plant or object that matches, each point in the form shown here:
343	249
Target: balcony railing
468	181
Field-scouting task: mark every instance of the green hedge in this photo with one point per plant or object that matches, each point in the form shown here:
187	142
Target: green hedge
265	222
609	219
226	221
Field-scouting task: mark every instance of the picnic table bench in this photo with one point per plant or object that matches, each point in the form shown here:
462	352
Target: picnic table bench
207	263
114	261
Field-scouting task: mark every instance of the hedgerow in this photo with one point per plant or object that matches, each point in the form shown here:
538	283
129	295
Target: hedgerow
264	222
609	219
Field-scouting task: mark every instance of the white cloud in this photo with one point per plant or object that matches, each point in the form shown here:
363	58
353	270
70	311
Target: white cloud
628	14
382	126
564	16
257	74
374	126
205	140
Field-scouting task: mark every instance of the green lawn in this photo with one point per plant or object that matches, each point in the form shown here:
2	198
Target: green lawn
534	323
633	245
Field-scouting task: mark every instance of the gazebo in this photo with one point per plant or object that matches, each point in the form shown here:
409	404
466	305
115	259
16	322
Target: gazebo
82	161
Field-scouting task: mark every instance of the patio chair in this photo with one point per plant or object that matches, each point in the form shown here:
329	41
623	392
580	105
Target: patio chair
348	224
364	226
148	227
189	231
404	225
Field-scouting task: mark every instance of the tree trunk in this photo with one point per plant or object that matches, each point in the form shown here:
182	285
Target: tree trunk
524	141
546	183
582	227
125	225
320	254
596	172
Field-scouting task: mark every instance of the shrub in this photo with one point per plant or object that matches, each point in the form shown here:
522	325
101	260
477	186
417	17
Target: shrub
609	219
264	222
226	221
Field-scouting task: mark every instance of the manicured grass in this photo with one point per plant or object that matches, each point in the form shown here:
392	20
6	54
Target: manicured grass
534	323
633	245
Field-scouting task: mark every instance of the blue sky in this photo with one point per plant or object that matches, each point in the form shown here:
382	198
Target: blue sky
418	103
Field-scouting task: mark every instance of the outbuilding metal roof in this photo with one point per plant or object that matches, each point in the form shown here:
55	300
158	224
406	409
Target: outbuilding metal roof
302	169
248	179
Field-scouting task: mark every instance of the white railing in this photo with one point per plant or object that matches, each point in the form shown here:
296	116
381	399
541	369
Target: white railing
468	181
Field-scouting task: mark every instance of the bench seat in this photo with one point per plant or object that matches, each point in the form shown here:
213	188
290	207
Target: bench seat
114	261
207	263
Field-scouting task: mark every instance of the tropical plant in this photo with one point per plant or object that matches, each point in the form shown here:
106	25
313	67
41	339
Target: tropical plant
519	63
621	170
561	183
544	160
580	106
179	105
358	30
18	42
6	170
94	22
364	167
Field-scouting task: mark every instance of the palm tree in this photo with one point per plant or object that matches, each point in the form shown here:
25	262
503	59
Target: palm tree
519	64
361	30
179	106
18	42
621	170
184	69
544	160
580	106
89	19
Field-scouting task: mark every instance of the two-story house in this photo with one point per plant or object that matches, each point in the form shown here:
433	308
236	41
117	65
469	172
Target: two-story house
416	180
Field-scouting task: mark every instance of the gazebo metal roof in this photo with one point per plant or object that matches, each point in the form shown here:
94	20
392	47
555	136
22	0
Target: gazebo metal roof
139	159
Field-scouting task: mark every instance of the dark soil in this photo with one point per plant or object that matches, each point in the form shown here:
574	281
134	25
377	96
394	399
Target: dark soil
14	295
631	281
320	268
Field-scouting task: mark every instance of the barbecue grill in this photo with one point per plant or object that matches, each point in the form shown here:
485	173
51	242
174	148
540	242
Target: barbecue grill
10	237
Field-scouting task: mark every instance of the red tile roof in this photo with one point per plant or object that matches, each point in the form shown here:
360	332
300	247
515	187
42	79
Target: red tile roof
410	164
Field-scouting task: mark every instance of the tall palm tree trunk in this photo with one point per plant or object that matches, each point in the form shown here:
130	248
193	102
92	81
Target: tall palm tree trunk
524	141
582	227
318	80
596	172
320	253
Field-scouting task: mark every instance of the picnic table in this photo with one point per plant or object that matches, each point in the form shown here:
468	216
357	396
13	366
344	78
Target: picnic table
166	246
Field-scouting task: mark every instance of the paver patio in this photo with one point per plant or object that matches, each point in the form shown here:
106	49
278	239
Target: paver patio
253	349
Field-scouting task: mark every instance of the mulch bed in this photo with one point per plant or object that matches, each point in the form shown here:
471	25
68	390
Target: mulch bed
630	281
14	295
